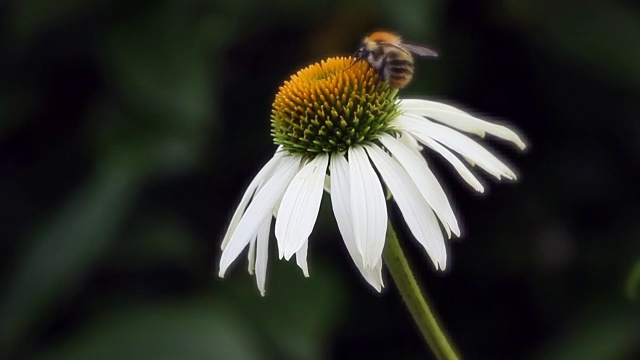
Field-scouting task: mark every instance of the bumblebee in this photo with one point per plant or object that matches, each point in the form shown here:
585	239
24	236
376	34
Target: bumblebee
391	58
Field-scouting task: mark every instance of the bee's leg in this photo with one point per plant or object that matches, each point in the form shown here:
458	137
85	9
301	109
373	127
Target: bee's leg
356	57
355	61
381	73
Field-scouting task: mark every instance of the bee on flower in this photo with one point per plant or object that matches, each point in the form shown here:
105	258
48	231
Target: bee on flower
338	124
391	57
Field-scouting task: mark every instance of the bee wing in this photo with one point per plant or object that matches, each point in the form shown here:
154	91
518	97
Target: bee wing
419	50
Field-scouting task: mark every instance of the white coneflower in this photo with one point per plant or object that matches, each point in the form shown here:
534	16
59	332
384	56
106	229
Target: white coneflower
342	126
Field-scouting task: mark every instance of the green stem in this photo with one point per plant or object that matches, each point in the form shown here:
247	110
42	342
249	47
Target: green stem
414	299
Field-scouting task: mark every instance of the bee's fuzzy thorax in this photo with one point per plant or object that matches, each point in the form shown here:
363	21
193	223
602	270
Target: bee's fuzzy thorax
384	36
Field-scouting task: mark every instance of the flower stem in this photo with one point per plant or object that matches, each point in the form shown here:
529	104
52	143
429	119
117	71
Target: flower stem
414	298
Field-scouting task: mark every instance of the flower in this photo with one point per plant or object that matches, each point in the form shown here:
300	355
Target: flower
336	125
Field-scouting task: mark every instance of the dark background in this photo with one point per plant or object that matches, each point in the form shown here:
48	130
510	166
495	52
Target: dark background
129	130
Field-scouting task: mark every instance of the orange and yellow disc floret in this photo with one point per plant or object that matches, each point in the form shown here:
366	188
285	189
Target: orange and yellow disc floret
330	106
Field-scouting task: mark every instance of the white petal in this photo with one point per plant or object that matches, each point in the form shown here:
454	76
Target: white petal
414	104
251	255
276	208
301	258
459	119
410	142
341	204
368	207
426	182
327	184
257	181
451	158
262	254
415	210
459	143
259	209
300	205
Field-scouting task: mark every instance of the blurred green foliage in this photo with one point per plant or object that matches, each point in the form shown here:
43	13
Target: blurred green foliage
128	131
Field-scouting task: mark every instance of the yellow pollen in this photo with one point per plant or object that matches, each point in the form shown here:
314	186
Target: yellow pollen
331	105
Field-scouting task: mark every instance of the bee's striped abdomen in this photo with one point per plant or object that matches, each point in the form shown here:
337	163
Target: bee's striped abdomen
399	72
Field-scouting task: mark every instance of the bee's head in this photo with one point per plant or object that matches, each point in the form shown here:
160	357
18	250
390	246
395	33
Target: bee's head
360	54
364	50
